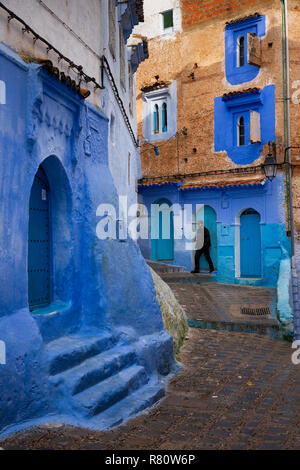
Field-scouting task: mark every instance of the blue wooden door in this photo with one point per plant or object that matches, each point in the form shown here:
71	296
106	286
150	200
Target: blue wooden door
209	218
38	243
162	246
250	244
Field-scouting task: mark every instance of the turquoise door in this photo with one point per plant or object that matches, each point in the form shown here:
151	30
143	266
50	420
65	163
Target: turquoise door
250	243
209	218
162	246
38	243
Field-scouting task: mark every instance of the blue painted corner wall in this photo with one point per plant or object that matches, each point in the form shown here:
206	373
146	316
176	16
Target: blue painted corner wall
267	199
98	287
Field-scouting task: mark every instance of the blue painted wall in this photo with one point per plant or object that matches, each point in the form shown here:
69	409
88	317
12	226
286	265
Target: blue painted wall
267	200
250	244
226	112
96	285
162	236
233	31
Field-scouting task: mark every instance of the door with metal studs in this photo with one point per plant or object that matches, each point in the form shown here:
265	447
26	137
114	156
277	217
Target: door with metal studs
39	243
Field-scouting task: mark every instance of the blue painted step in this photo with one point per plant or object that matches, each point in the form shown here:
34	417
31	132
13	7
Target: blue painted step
95	369
69	351
96	399
131	405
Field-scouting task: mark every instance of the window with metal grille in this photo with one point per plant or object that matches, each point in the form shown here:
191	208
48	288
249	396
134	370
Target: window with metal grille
241	51
241	131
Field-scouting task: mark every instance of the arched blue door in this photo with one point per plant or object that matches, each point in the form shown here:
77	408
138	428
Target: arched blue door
162	245
209	219
38	243
250	244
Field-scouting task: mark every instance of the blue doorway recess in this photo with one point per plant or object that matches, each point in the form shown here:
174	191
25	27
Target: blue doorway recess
209	218
39	243
162	245
250	243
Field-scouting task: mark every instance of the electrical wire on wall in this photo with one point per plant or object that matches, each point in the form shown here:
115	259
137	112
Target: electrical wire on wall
157	147
78	69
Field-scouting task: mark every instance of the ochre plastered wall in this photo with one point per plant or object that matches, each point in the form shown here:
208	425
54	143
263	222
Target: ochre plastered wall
199	11
196	60
294	51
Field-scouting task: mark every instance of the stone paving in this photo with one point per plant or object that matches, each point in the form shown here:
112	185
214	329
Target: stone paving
211	305
222	302
234	391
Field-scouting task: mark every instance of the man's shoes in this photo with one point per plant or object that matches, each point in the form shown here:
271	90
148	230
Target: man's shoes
194	272
212	270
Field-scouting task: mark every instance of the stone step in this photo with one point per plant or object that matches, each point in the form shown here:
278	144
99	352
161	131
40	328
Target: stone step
69	351
135	403
160	267
268	327
98	398
95	369
185	277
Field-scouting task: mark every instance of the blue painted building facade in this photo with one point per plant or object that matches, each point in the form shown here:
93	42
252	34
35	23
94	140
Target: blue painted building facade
84	339
229	209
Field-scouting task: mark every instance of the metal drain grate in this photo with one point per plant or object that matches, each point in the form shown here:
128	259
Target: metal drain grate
262	311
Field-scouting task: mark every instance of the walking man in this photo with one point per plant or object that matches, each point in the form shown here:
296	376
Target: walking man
203	244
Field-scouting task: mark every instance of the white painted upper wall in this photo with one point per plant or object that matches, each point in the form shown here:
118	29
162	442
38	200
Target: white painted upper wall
153	24
88	40
84	18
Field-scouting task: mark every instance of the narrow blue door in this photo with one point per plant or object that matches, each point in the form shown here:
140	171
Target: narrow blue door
38	243
162	247
209	218
250	244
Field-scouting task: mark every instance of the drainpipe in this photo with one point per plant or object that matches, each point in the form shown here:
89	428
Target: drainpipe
287	127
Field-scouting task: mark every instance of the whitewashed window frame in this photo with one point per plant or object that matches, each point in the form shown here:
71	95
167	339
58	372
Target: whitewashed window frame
166	95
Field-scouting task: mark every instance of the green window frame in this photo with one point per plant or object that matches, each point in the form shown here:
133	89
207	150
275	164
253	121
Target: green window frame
168	19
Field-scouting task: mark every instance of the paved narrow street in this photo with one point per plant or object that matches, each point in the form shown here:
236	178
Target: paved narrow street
226	307
234	391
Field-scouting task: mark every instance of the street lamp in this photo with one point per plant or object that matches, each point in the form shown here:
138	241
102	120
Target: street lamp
270	165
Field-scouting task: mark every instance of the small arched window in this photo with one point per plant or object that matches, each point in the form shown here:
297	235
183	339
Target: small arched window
156	119
164	117
241	51
241	131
